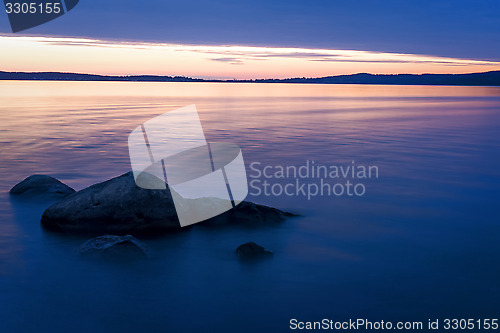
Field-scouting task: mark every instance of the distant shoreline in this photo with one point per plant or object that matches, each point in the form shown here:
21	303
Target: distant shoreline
491	78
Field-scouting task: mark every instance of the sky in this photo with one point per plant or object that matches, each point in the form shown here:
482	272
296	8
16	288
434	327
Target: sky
260	39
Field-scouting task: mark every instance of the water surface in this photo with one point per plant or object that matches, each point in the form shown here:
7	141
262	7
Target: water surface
421	243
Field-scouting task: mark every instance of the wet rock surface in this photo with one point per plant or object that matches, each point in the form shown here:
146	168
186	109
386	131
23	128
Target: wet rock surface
118	206
252	251
41	185
112	246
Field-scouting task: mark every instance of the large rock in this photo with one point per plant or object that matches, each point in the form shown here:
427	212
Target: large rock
41	185
111	246
251	251
118	206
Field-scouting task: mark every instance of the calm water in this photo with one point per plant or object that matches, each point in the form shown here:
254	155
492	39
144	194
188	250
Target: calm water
423	242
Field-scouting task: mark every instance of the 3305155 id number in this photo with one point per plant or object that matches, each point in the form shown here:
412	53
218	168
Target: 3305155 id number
33	8
470	324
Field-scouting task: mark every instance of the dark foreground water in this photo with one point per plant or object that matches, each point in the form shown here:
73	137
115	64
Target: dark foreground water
422	242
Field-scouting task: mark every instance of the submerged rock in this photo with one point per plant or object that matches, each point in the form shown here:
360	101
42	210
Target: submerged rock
111	246
250	214
118	206
252	250
41	185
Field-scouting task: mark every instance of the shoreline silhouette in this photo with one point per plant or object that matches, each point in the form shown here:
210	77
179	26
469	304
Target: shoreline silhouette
491	78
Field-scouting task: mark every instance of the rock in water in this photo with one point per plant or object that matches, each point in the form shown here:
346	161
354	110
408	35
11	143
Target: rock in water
41	185
249	214
111	246
251	250
118	206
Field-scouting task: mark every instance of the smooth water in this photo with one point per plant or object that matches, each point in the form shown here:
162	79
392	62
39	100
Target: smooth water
422	242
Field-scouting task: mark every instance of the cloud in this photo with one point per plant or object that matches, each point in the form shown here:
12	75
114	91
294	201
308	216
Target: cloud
235	54
232	61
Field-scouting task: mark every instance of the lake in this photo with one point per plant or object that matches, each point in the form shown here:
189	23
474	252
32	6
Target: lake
422	242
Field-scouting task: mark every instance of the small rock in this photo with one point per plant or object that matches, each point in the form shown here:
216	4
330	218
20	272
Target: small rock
250	214
252	250
111	246
41	185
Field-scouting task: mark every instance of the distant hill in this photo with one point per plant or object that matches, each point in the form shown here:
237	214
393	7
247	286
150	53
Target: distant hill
57	76
472	79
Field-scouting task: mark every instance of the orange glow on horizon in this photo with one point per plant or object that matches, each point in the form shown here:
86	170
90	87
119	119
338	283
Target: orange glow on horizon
83	55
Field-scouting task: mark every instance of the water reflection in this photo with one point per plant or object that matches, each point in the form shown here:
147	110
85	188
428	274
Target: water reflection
426	229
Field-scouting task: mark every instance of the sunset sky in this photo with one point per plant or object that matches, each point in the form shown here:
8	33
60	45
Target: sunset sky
229	61
257	39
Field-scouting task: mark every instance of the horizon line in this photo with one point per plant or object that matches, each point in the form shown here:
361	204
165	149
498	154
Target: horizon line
488	78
